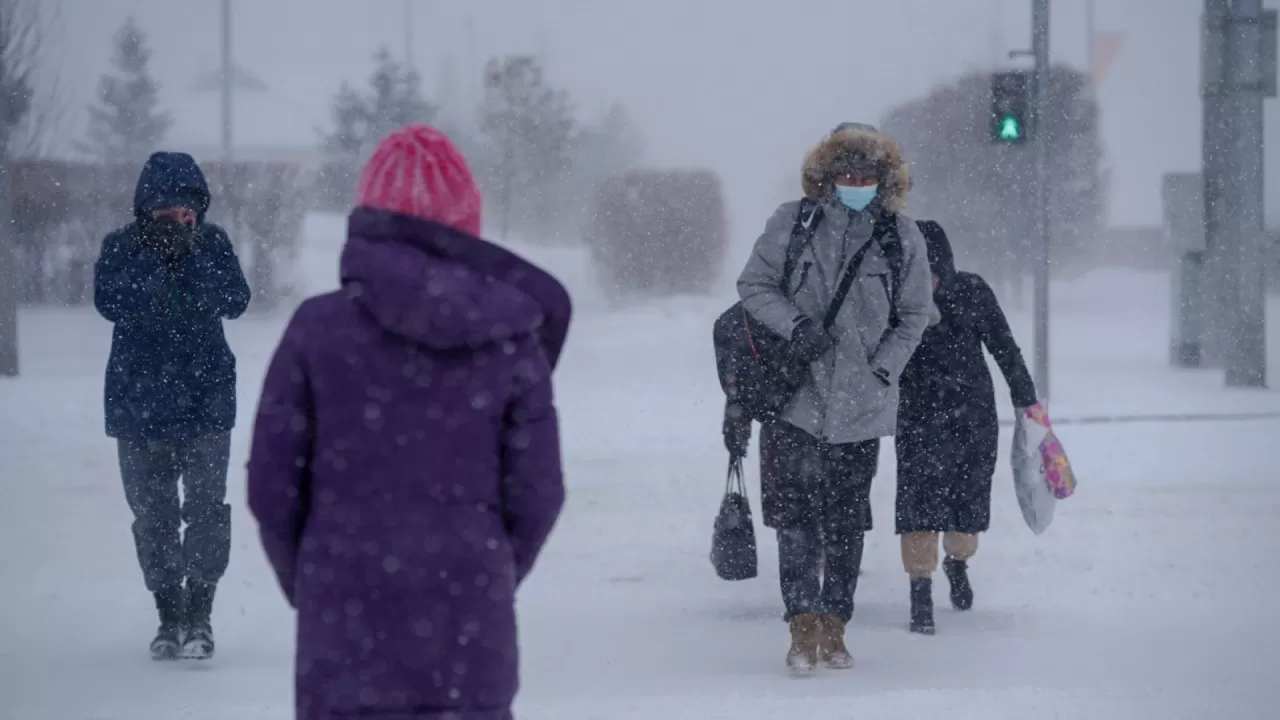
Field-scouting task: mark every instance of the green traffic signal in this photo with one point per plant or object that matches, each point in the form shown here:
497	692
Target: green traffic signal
1010	129
1010	106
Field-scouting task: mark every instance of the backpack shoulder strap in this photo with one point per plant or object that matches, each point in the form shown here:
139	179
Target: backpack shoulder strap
806	225
891	246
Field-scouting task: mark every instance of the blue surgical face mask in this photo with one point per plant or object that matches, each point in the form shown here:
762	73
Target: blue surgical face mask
856	198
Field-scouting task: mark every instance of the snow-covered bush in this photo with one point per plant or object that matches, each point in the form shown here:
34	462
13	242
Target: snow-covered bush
658	232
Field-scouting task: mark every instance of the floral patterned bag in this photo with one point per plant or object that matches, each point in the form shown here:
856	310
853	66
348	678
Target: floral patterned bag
1042	474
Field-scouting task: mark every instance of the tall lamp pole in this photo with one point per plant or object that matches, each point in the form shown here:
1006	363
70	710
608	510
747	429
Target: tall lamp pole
227	80
1039	104
408	35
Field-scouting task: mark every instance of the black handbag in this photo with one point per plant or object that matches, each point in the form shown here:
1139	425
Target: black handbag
733	541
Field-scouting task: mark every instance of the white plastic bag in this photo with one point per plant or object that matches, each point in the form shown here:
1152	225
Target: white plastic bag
1035	497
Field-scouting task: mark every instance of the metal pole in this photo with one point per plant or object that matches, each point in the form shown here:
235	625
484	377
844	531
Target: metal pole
1216	335
408	34
228	74
1041	138
1242	199
1091	37
8	270
473	73
997	42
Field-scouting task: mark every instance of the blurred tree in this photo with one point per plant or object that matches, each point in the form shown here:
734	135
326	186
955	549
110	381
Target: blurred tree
609	146
983	192
18	46
529	129
600	150
127	124
21	54
361	120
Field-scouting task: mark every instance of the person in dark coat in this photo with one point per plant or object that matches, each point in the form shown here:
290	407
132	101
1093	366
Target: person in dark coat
405	470
948	431
167	281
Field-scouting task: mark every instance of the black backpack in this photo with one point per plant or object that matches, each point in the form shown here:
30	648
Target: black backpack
758	373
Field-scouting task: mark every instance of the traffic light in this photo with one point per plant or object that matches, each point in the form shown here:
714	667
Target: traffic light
1009	106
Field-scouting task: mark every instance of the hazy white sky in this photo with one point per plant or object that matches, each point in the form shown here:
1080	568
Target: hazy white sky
740	85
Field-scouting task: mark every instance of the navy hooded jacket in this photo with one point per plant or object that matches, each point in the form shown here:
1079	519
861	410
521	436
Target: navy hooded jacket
171	375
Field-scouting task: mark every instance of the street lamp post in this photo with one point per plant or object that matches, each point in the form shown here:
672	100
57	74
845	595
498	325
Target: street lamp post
408	35
227	79
1040	103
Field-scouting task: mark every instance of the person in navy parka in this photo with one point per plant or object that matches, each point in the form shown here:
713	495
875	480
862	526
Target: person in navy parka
167	280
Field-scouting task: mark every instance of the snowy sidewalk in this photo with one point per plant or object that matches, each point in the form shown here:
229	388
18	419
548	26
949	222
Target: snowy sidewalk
1151	596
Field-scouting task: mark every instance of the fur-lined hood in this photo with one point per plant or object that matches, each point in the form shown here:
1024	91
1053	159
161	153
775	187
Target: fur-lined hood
857	148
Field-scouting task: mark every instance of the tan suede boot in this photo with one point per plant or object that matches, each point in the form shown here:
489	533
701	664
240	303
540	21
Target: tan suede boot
832	649
806	630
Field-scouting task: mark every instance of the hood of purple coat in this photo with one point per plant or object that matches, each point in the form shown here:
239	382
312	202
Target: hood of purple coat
446	289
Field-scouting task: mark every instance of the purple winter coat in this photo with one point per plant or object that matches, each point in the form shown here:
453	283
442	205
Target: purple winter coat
405	471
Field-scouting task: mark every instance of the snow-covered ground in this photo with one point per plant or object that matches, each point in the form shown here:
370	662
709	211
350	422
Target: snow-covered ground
1152	596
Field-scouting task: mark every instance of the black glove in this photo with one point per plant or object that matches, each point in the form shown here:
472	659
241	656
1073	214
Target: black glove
170	239
883	376
737	432
810	342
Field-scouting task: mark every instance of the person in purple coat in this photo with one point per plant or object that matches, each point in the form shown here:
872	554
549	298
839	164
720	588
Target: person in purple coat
405	469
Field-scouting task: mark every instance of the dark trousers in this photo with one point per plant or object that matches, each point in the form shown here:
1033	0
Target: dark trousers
819	574
151	470
817	496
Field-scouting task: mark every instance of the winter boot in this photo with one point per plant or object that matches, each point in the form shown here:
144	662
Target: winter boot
922	606
198	641
961	591
166	645
832	649
806	632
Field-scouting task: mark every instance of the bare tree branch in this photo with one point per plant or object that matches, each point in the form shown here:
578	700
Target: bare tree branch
31	112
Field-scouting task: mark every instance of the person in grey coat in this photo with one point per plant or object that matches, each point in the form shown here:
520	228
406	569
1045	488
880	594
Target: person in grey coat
819	457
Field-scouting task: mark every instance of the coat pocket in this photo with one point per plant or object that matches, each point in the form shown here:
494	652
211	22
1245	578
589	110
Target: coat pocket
872	309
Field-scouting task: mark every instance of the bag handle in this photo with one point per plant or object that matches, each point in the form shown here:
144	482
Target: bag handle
882	227
735	482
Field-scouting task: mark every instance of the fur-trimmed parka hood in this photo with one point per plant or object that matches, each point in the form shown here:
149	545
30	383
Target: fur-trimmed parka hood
857	149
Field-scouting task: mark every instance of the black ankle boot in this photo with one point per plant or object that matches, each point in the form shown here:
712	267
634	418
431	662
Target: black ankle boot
922	606
198	641
169	605
961	591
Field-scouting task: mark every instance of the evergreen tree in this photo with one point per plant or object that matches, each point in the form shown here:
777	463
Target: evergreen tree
607	147
127	124
362	120
601	150
529	127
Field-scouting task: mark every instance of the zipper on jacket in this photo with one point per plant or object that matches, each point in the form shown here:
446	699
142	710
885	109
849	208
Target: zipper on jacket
835	352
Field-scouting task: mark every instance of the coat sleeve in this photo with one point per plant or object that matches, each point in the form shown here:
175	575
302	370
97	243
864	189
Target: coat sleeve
532	478
915	304
216	276
761	282
999	340
128	281
281	456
